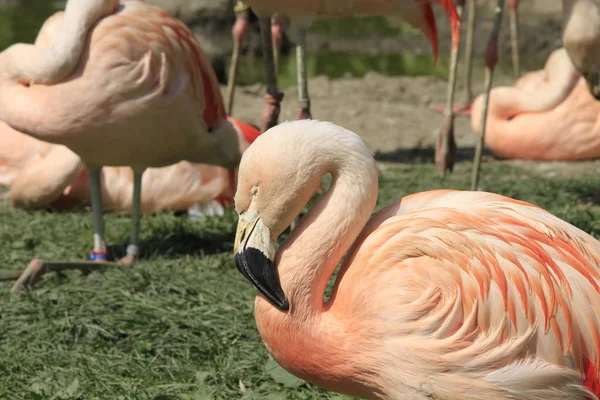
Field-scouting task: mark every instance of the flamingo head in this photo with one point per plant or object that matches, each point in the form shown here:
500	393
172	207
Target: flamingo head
278	175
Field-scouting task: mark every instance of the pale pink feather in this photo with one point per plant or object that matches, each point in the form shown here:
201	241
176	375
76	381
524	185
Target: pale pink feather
548	115
418	13
36	177
142	80
443	294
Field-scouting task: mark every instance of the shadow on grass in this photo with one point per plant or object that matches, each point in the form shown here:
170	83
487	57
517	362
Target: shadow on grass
176	243
424	155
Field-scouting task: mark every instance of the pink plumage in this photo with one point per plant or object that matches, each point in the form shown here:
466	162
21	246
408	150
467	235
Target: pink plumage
547	115
40	174
119	84
441	295
143	80
418	13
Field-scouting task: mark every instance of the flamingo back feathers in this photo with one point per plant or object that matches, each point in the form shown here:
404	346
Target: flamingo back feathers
489	287
133	33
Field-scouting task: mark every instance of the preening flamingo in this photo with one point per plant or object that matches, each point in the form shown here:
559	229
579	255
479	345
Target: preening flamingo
121	85
581	40
442	295
548	115
418	13
40	174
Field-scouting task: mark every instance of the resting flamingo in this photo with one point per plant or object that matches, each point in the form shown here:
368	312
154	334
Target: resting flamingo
122	84
581	40
442	295
418	13
44	175
548	115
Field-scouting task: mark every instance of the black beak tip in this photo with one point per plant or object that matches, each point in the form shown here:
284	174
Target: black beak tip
260	271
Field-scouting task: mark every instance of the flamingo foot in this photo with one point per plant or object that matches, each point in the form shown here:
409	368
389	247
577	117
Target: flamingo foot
270	114
131	256
128	259
462	110
37	268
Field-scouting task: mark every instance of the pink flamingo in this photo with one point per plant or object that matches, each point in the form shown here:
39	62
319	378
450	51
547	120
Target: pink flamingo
40	174
547	115
418	13
121	85
442	295
581	40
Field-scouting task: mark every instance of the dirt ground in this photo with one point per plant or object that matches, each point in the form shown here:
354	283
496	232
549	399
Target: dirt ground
394	114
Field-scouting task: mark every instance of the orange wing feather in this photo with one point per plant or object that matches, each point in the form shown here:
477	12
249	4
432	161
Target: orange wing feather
430	29
532	280
450	9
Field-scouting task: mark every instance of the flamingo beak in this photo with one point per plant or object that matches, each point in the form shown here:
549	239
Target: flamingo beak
254	252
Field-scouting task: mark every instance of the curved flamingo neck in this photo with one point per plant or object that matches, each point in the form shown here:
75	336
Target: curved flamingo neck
26	63
308	258
59	46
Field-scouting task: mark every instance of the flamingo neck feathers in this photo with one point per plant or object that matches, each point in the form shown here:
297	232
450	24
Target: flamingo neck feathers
25	107
27	63
308	258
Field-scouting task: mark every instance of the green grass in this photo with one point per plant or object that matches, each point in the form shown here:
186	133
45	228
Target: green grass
179	324
359	27
338	64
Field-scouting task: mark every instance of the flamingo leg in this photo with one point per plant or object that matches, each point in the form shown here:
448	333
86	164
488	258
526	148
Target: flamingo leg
491	58
303	98
445	151
450	107
98	256
240	27
99	253
514	35
472	15
270	115
136	208
276	39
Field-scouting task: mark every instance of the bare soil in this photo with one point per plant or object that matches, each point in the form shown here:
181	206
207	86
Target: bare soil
394	114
